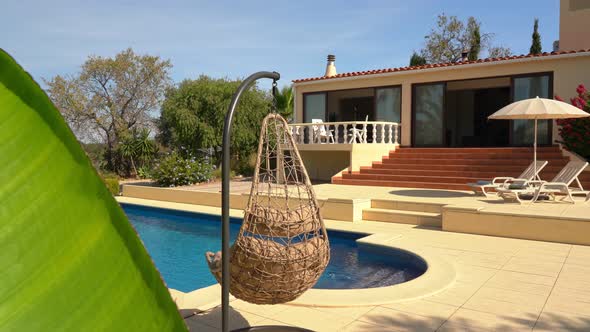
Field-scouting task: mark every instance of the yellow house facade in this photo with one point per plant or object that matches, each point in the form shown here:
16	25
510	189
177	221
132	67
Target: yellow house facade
345	121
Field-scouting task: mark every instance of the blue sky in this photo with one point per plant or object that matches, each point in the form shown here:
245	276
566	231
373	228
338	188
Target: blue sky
235	38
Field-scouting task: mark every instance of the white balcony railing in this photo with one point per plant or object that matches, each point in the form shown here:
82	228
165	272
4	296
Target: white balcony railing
348	132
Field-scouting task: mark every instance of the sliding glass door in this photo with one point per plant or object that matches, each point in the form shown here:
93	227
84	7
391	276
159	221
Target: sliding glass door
314	106
388	104
525	87
428	114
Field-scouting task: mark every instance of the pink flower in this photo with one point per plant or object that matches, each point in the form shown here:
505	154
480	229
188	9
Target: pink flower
578	102
581	89
558	98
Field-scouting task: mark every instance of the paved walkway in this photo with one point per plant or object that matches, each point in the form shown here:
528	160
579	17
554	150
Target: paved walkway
435	196
501	284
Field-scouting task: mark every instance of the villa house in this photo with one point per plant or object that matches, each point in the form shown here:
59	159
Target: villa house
427	127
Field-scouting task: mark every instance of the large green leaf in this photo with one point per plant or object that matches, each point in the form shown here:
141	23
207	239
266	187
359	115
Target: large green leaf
69	259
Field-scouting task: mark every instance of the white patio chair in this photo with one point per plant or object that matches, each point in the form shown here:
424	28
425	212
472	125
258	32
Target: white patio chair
561	184
486	187
356	134
320	133
295	133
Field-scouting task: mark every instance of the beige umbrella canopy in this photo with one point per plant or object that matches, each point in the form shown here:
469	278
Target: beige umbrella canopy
538	109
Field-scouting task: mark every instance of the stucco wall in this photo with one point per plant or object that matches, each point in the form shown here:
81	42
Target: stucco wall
322	165
574	25
569	71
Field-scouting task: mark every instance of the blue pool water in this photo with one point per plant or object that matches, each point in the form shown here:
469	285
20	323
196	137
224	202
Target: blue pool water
177	242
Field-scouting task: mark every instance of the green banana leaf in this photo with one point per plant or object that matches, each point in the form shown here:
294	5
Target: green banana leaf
69	258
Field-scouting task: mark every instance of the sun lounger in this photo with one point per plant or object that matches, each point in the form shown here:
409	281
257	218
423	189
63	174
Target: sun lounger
486	187
560	185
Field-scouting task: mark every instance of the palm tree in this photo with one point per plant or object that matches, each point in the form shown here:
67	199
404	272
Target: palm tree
145	146
137	147
284	99
128	151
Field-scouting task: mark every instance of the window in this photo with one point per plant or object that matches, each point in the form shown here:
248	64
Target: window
579	5
388	104
523	130
428	114
314	107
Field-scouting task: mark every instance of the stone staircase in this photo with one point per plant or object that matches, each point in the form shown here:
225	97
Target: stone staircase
453	168
422	214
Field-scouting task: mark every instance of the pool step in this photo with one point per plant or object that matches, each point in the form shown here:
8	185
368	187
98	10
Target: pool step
428	219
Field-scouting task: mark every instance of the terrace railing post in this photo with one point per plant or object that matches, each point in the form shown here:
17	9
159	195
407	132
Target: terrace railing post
390	134
225	173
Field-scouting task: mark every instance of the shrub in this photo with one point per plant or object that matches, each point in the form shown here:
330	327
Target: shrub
245	166
575	132
112	183
175	169
144	172
216	174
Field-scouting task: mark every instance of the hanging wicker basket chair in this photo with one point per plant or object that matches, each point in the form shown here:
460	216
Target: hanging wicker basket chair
282	247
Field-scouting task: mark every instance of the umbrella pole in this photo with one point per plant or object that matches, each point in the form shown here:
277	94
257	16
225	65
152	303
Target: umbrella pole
535	151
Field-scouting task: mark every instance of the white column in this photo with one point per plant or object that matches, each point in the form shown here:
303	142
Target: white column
390	138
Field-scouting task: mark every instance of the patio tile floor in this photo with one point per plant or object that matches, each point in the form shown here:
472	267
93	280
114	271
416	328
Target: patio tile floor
519	286
502	284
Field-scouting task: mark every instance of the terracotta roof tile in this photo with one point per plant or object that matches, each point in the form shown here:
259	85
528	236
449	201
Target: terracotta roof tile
436	65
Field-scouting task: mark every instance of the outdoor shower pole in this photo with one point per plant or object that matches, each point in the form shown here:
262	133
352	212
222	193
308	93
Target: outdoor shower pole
225	171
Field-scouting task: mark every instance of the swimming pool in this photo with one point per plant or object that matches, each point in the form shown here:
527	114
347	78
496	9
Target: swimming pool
177	242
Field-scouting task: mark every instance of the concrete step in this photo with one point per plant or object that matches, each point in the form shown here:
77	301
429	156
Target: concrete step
463	162
453	168
451	173
478	150
427	219
527	156
410	178
406	205
481	175
401	184
483	168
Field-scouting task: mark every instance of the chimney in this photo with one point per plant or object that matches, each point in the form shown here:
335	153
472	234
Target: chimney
331	67
464	56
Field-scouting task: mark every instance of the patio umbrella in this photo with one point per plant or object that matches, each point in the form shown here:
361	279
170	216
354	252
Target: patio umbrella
538	109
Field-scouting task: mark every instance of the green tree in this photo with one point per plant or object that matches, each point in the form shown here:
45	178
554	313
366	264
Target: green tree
417	60
451	37
127	151
110	97
138	148
536	42
193	114
284	98
475	41
145	146
499	52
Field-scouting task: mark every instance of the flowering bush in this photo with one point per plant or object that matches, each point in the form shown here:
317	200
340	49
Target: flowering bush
575	133
176	169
